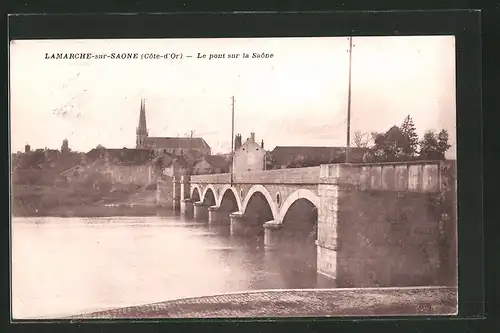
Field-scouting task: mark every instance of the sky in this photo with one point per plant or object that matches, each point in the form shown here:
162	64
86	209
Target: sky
298	97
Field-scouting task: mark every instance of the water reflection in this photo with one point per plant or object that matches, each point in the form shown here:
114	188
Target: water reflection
65	266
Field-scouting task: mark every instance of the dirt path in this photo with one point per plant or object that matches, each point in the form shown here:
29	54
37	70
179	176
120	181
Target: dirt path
299	303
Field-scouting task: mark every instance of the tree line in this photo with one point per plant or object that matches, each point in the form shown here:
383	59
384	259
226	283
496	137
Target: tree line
401	143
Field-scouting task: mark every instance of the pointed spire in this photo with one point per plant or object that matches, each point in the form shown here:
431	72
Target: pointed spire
142	129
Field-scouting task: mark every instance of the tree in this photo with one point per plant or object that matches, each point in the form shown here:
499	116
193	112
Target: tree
377	150
429	149
361	139
434	147
410	147
443	144
389	146
36	160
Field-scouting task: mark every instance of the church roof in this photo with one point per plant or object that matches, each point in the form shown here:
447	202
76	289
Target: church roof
177	142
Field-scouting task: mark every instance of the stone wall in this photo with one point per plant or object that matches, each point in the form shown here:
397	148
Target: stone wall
382	225
389	239
124	174
447	208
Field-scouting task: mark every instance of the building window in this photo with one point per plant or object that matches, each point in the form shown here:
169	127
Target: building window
278	199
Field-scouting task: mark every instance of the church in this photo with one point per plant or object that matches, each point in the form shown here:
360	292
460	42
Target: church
173	146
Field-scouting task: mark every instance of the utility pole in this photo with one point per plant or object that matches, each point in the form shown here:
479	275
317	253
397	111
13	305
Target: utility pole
232	139
191	150
189	153
349	105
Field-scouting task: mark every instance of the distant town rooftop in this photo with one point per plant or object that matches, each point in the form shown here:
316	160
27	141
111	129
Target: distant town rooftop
177	142
282	154
124	156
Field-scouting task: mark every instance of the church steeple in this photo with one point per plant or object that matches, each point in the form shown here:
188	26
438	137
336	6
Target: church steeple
142	130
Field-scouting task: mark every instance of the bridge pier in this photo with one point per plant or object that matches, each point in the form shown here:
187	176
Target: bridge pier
200	211
237	224
186	202
272	233
185	187
334	189
176	193
161	192
213	214
187	207
223	216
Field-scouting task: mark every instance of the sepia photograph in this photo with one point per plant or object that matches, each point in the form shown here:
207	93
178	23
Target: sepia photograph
233	177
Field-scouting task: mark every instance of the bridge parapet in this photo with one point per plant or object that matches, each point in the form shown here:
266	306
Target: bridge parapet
414	176
309	175
220	178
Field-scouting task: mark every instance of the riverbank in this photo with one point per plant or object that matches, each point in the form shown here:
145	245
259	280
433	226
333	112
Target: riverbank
64	201
298	303
97	211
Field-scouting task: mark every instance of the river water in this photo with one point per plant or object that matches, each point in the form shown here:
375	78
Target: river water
68	266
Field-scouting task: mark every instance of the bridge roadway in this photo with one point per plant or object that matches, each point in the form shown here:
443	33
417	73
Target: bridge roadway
336	193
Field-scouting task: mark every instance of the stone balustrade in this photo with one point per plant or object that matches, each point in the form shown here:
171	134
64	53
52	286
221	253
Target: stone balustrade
308	175
398	176
220	178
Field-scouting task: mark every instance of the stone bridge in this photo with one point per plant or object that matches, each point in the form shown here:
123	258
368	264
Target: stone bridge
373	224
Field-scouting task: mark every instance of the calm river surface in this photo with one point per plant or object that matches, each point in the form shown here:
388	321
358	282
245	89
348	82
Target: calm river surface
67	266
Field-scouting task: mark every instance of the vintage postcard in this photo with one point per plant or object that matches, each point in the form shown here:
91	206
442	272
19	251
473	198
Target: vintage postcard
245	177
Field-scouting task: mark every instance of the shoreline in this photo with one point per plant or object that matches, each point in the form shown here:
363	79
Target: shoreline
101	210
46	200
388	301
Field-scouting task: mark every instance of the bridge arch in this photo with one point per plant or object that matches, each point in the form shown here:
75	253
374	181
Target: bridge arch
208	188
235	193
196	192
262	190
299	194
